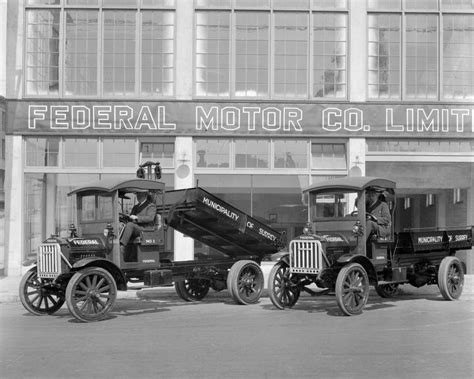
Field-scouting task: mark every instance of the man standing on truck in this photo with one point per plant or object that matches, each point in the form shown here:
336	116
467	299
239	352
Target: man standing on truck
143	215
379	220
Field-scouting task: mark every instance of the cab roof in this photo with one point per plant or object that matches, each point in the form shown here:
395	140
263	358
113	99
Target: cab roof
111	185
355	183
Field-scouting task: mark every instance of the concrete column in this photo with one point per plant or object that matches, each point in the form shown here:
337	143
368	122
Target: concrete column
467	255
14	48
358	51
184	49
14	206
183	178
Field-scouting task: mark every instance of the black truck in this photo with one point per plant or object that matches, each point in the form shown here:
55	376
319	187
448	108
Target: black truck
86	268
337	253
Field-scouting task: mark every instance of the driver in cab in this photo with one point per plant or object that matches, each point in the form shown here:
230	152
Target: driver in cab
142	216
379	220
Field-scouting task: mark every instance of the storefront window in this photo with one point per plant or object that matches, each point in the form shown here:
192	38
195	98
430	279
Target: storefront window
290	154
212	153
419	146
42	151
80	152
162	152
328	156
252	153
119	152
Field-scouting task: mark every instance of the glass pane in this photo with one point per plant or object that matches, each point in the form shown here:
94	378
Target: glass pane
384	4
329	54
81	50
251	153
80	152
421	4
291	51
252	54
42	52
119	52
119	152
421	56
384	56
42	151
212	153
458	63
329	4
157	152
457	4
328	156
290	154
212	76
157	53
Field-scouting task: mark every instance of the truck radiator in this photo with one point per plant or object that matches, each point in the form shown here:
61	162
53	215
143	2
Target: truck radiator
49	260
306	257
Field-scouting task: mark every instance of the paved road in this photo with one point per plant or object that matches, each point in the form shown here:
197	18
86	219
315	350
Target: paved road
417	335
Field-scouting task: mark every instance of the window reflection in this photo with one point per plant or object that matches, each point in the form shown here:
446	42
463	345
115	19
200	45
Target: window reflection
118	152
212	153
251	153
162	152
42	151
80	152
290	154
328	156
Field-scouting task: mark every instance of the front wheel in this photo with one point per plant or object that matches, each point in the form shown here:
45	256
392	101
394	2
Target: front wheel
91	294
284	293
450	278
192	289
245	282
352	289
40	296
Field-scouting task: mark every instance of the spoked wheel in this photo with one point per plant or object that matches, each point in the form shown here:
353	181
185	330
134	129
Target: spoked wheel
284	293
246	282
450	278
387	290
352	289
192	289
40	296
91	294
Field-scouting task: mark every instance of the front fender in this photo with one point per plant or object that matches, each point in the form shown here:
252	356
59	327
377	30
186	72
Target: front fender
363	261
282	256
111	267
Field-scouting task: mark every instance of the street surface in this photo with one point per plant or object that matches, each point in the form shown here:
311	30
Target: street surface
157	335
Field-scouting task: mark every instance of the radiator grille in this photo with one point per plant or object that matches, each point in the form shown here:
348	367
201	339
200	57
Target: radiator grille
306	257
49	260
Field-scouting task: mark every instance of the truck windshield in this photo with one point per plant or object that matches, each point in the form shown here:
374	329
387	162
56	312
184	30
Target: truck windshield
96	207
330	205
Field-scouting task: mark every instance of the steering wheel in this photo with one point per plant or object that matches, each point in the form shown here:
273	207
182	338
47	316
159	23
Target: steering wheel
123	217
354	213
371	217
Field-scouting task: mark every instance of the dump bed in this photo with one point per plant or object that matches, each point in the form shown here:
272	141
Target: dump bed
210	220
434	240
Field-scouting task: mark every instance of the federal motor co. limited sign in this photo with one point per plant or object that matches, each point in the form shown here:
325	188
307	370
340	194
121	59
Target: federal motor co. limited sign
202	118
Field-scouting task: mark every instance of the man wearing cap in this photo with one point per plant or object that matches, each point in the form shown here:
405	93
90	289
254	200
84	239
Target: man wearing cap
142	215
379	220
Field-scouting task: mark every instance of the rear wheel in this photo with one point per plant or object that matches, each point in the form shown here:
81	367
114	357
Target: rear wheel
387	290
91	294
246	282
284	293
352	289
192	289
40	296
450	278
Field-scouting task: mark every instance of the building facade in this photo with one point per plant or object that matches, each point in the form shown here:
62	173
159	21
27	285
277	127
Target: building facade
252	100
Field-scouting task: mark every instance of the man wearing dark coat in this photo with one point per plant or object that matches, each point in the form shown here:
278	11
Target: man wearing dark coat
142	216
379	220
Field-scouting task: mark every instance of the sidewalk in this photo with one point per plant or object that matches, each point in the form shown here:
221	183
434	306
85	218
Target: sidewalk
9	288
